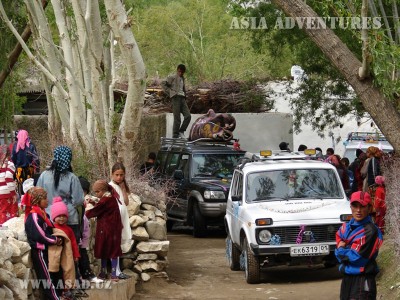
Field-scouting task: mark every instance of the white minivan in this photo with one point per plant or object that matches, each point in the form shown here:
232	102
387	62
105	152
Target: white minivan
363	140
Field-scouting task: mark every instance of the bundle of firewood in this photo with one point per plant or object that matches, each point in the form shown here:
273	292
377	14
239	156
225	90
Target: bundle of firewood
221	96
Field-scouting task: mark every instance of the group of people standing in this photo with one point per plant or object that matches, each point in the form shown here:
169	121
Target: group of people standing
18	162
58	207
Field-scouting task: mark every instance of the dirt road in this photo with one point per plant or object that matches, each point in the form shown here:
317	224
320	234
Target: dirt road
198	269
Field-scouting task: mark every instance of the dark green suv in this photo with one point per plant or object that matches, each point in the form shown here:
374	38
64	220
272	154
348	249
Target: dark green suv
202	172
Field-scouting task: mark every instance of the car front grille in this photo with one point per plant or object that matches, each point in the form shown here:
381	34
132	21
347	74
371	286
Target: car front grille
321	233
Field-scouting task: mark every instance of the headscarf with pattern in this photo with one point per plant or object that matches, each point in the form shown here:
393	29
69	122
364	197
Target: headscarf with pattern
63	157
37	194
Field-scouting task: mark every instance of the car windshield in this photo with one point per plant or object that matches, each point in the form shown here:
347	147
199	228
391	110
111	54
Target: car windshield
215	165
293	184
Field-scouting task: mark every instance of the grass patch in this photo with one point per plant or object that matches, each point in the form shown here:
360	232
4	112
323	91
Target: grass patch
388	279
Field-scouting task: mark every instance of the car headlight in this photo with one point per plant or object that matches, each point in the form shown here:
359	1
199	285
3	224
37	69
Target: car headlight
214	195
264	236
345	218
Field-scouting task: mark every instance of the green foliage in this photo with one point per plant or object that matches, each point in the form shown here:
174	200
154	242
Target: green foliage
325	97
198	34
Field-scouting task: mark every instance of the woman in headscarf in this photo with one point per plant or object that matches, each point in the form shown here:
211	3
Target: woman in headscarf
371	168
59	180
25	158
8	197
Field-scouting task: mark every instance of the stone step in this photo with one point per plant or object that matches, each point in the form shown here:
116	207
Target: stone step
121	290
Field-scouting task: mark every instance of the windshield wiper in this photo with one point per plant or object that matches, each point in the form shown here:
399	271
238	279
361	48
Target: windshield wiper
203	174
273	198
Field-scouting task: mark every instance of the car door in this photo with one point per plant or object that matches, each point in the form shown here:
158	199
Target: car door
234	206
177	171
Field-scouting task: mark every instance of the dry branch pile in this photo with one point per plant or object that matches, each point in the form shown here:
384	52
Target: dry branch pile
222	96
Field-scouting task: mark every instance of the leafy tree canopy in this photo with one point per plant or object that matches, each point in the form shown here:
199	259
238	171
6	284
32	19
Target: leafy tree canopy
325	96
198	34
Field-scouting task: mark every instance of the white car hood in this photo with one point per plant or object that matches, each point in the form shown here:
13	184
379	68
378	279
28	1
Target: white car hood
299	210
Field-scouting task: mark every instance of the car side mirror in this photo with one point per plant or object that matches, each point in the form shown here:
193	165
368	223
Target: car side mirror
178	174
237	198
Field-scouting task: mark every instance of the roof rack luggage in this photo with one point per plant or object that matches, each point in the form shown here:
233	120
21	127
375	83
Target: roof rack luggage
185	142
366	136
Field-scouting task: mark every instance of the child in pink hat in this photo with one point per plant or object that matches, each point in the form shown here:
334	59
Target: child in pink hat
59	215
380	203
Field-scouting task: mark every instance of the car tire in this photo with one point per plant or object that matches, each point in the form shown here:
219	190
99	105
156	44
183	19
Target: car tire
251	264
233	254
170	224
199	223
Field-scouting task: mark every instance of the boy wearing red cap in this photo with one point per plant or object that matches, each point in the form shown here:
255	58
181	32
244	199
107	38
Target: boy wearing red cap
358	242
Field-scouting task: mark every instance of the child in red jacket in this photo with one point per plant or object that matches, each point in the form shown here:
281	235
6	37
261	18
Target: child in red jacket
380	203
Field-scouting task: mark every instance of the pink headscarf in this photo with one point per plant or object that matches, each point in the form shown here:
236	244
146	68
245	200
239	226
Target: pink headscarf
23	140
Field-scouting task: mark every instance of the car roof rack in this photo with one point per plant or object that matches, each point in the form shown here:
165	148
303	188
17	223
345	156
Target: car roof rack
276	155
366	136
186	142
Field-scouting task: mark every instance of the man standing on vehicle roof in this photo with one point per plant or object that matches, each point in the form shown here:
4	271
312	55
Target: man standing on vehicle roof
174	87
358	242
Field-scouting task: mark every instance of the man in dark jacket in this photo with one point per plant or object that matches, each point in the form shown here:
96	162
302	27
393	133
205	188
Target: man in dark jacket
174	87
358	242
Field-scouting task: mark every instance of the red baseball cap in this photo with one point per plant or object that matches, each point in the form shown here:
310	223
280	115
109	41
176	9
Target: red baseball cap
362	197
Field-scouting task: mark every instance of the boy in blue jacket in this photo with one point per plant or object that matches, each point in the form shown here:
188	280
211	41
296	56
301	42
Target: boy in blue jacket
358	242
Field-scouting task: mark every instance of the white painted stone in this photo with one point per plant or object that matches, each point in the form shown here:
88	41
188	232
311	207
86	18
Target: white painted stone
140	234
150	214
156	230
7	250
20	270
136	221
26	259
148	207
134	204
147	256
145	277
158	247
23	246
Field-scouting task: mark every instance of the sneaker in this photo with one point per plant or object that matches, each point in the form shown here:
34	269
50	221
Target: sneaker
182	135
80	293
96	280
123	276
68	295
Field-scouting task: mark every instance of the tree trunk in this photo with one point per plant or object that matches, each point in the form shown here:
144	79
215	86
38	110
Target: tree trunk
14	54
378	106
131	117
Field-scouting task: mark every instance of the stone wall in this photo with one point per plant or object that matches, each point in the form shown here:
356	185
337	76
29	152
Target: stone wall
15	261
148	255
146	259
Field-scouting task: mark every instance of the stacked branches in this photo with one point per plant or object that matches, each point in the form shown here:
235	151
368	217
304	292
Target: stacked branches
222	96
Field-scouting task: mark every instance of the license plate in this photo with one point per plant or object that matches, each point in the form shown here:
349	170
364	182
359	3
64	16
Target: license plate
309	250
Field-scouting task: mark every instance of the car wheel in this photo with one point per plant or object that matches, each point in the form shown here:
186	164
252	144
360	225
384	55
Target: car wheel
199	223
170	224
251	264
233	254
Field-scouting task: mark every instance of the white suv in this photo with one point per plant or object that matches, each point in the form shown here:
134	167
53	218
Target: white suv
283	210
